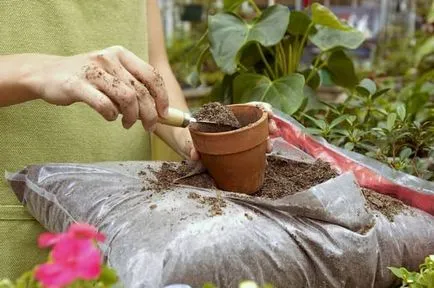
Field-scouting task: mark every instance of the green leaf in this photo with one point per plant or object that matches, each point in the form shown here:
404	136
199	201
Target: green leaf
318	122
351	119
366	87
380	92
325	17
425	49
326	38
338	120
285	94
400	110
391	119
108	276
397	272
315	80
341	69
231	5
349	146
248	284
405	153
209	285
313	131
299	23
228	34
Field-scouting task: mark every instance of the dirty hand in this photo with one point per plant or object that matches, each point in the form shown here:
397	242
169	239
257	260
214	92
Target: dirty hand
112	81
272	128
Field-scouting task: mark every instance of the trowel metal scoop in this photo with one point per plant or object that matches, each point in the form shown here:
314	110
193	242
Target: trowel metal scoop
178	118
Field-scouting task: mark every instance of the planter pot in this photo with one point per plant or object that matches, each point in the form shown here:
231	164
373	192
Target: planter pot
236	159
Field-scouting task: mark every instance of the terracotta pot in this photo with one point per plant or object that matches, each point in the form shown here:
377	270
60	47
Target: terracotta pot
236	159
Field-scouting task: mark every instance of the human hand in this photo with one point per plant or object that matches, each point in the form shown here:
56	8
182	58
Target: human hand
187	143
112	81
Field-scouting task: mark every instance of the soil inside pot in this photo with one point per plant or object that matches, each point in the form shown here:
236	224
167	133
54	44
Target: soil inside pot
217	113
282	177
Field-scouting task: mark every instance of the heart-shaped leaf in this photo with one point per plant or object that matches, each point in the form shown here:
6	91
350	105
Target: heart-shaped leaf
228	34
391	119
323	16
298	23
327	38
285	94
341	69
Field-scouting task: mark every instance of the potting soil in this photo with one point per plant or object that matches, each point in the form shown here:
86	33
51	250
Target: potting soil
217	113
159	233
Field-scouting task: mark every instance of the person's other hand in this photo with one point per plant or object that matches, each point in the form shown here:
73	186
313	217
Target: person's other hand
112	81
187	143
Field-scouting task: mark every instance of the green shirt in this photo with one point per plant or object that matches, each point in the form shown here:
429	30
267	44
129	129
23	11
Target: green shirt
37	132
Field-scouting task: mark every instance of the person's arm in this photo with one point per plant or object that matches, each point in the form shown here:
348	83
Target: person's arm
177	138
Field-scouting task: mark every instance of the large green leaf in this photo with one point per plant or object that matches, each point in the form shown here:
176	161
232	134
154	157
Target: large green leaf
228	34
341	69
285	94
327	38
298	23
323	16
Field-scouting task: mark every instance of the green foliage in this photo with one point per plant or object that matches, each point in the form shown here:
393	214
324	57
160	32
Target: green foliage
422	279
263	54
395	127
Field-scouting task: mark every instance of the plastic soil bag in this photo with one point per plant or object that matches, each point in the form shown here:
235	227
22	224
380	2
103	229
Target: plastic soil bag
307	227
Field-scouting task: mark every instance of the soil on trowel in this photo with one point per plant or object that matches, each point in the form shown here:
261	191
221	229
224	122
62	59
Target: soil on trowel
386	205
217	113
283	177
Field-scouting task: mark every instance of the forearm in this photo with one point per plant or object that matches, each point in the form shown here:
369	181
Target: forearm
171	135
15	78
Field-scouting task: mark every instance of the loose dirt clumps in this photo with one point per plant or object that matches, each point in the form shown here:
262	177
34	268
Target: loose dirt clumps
217	113
215	203
386	205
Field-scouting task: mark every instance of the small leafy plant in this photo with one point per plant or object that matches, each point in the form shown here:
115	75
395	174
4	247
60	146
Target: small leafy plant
74	261
261	58
395	128
422	279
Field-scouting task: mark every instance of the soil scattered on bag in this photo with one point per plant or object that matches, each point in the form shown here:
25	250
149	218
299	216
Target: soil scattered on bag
217	113
215	203
283	177
386	205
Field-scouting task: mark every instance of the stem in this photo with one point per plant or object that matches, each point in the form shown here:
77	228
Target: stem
290	57
243	67
303	41
283	58
315	69
258	11
295	56
276	59
265	61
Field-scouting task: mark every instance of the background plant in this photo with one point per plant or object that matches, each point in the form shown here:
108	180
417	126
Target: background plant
422	279
261	58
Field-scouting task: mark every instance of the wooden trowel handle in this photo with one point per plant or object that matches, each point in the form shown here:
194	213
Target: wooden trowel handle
176	118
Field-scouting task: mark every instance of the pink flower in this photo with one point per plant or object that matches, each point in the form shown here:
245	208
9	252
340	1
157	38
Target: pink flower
74	256
77	230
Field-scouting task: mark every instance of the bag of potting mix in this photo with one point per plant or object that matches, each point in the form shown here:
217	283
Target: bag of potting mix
321	219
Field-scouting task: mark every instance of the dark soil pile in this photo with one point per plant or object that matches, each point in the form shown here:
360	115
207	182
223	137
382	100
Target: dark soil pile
386	205
217	113
283	177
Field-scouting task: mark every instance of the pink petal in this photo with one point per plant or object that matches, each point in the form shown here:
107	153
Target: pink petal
68	249
89	264
84	230
54	276
48	239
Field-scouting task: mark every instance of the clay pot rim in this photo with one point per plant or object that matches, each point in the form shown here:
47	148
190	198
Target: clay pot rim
250	126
